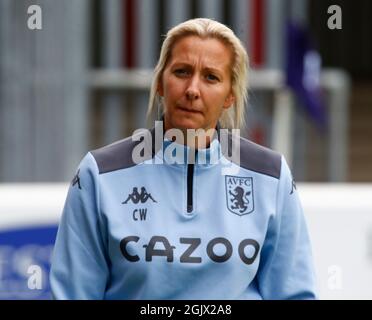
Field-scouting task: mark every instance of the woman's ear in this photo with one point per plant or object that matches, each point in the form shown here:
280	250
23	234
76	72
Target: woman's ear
229	101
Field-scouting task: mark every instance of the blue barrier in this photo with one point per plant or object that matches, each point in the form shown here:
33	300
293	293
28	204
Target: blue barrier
25	256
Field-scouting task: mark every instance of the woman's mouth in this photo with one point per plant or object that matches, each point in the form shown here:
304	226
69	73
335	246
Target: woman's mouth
189	110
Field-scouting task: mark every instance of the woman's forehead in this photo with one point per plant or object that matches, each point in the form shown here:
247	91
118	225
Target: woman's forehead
191	48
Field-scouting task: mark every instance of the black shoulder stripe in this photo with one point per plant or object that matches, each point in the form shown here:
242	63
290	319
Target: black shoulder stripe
257	158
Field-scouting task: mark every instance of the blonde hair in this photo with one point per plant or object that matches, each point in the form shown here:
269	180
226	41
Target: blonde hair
206	28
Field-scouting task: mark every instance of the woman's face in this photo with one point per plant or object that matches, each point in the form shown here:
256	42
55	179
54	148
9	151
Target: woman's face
196	83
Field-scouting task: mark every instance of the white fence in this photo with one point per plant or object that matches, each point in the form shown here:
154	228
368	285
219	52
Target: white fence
340	221
339	218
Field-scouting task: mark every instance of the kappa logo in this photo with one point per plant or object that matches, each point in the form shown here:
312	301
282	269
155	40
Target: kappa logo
137	197
294	187
239	194
139	214
76	179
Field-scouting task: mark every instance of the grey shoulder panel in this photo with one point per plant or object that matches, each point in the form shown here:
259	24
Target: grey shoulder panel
115	156
259	159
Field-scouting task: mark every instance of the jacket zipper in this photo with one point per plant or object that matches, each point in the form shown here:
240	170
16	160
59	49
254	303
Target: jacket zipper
190	181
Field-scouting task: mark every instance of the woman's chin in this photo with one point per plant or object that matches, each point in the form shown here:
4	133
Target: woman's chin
189	124
185	123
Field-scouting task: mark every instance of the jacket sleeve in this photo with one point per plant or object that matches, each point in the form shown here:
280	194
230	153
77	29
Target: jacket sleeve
286	268
79	268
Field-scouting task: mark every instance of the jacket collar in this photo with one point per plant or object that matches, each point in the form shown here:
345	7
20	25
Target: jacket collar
172	153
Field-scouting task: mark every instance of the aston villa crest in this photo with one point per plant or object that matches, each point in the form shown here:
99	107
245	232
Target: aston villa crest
239	194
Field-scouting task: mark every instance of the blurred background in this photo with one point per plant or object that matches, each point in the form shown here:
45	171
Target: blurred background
75	75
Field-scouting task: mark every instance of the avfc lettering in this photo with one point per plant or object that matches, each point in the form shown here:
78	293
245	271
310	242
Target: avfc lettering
239	195
187	256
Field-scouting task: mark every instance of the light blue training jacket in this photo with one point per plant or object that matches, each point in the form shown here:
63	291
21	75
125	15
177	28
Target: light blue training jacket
222	229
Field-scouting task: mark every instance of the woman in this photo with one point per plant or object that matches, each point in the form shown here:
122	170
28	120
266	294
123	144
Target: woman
186	229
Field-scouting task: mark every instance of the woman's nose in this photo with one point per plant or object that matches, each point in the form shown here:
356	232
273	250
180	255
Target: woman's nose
192	91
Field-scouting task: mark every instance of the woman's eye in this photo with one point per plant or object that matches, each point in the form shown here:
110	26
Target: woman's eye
212	77
180	72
